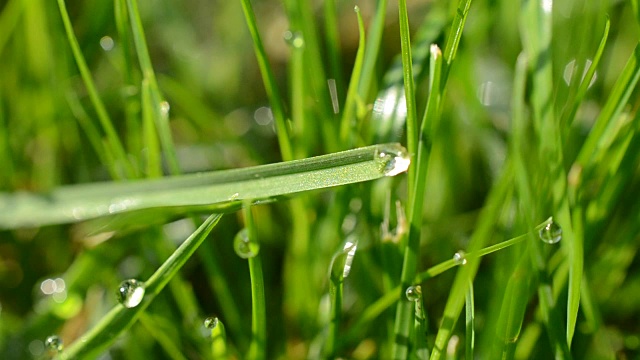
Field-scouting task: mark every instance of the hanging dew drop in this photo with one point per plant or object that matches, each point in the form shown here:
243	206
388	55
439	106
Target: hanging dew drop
414	293
211	322
54	344
130	293
551	233
244	246
392	160
460	258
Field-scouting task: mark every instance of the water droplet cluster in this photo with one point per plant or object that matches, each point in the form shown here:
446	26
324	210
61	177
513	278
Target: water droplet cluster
245	247
551	233
130	293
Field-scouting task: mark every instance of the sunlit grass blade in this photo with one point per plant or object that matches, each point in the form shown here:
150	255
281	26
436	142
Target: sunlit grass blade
83	202
124	167
120	318
269	81
416	204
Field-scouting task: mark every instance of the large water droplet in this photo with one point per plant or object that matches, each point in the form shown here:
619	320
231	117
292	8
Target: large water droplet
54	344
414	293
392	160
551	233
130	293
460	258
244	246
211	322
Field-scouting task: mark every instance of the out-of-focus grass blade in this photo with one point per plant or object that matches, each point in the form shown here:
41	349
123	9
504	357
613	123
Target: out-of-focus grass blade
536	26
269	83
156	106
83	202
585	82
120	317
113	141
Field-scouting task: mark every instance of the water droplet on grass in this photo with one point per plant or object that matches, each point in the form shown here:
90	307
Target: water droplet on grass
130	293
244	246
414	293
54	344
211	322
392	160
460	258
551	233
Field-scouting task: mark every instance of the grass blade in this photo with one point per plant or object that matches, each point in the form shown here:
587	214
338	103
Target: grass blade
269	83
257	348
120	317
83	202
126	170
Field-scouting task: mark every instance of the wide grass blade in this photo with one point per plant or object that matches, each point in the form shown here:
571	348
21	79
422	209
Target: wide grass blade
214	190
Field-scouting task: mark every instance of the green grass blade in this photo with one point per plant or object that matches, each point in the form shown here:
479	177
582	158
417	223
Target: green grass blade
350	115
484	230
269	83
257	348
219	340
83	202
159	108
125	169
409	266
120	318
470	312
374	39
610	115
409	86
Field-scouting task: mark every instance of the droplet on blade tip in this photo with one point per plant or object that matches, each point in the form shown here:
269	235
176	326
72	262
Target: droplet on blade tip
130	293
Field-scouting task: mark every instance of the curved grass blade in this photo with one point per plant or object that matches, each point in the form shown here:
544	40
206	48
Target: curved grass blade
211	190
120	317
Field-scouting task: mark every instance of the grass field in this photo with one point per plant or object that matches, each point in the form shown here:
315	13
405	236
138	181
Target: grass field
448	179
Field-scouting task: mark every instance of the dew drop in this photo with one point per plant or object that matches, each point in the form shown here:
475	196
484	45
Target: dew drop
392	160
414	293
211	322
244	246
294	39
460	258
551	233
130	293
54	344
